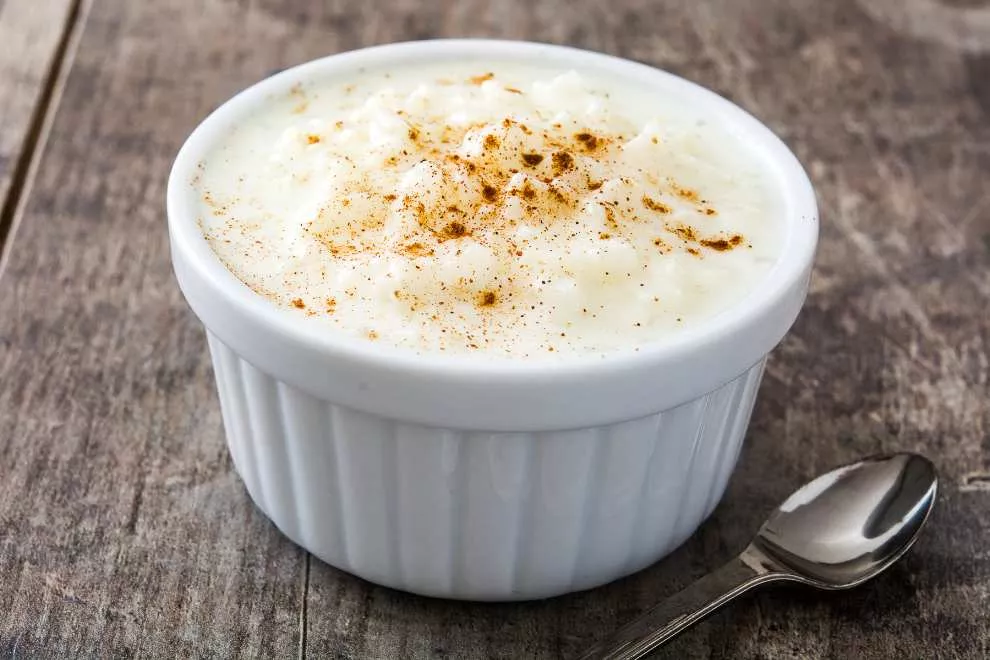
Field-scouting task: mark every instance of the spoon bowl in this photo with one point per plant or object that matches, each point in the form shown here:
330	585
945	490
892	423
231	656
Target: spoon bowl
850	524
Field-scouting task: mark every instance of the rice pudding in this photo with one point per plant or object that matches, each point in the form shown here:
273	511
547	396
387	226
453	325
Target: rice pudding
476	207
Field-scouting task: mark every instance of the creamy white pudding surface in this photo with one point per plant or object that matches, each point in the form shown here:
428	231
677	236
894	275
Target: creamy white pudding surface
512	210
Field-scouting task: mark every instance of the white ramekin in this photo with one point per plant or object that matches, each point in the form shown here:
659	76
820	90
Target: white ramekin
466	477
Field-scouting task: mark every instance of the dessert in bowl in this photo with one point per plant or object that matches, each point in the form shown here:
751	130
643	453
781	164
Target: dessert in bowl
488	318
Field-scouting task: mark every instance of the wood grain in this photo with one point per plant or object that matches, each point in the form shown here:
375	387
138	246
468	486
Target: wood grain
123	529
32	40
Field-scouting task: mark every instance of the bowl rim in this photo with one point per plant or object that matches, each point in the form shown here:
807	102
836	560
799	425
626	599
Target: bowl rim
788	275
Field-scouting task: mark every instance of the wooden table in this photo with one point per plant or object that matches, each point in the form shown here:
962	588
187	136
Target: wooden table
124	530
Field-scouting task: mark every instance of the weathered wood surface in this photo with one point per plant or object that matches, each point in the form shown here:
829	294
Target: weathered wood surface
123	529
33	36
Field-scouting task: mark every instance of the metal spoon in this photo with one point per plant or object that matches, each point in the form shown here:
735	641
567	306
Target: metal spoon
836	532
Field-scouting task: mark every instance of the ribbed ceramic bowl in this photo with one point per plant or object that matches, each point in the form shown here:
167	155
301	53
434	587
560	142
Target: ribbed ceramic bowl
466	477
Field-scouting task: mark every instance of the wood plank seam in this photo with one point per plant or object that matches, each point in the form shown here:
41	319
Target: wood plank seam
302	608
40	125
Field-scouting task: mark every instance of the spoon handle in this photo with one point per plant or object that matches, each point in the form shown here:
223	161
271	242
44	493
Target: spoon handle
676	614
